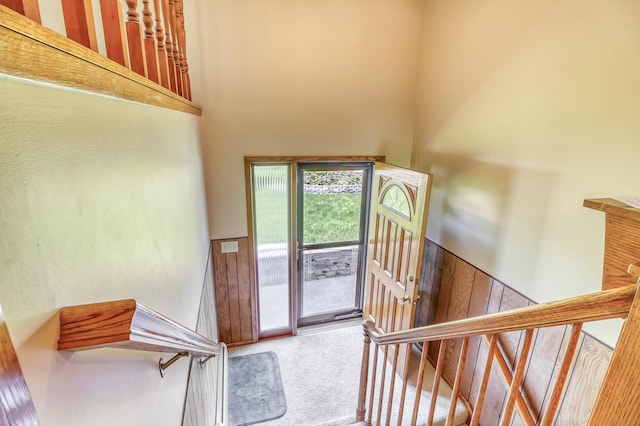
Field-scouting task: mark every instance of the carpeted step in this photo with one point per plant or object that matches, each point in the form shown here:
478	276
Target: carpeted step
442	403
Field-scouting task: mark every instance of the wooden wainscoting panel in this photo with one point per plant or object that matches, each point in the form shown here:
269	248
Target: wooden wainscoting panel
582	390
497	288
480	294
458	290
222	293
544	360
203	386
233	292
446	282
461	290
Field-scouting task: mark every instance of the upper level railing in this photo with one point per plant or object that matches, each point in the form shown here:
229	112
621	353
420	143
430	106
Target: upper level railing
145	49
575	311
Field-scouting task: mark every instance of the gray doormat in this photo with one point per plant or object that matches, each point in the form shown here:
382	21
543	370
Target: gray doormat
255	389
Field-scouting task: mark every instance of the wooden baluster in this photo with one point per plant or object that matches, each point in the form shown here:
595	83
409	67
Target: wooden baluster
364	374
162	53
405	378
176	46
423	366
134	37
392	385
151	53
516	383
457	381
166	16
567	361
114	31
383	382
79	23
374	373
507	377
182	38
28	8
477	408
436	381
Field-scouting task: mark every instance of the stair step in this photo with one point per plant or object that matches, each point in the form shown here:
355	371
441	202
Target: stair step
442	403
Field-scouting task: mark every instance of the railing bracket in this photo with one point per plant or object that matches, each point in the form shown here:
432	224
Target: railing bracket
203	361
164	365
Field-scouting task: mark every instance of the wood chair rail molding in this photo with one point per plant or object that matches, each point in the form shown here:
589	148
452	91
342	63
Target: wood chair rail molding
621	241
29	50
614	303
128	324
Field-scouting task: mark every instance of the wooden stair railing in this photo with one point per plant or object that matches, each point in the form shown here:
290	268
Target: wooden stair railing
614	303
128	324
140	59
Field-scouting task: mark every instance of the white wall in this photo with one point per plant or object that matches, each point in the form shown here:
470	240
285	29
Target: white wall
289	77
100	199
525	109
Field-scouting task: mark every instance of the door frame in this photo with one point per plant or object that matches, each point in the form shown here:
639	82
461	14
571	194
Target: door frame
293	293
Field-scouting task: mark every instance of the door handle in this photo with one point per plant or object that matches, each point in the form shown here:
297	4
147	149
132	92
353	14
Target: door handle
410	278
405	299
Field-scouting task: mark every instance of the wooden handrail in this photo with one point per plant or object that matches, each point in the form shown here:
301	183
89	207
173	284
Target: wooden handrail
598	306
130	325
614	303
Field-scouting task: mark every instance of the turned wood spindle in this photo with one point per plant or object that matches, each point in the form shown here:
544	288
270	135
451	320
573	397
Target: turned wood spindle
134	36
182	39
166	16
162	53
150	42
176	46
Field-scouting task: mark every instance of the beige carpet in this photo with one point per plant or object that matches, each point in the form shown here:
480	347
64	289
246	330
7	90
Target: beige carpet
320	373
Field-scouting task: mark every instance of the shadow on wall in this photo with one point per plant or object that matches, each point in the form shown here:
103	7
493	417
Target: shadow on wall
487	213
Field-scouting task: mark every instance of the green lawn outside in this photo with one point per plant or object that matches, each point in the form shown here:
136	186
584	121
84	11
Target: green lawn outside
328	217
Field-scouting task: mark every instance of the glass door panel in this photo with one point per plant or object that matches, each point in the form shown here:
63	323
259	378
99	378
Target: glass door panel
332	200
270	183
330	280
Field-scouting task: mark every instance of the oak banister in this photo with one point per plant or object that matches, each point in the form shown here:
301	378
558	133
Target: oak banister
614	303
127	324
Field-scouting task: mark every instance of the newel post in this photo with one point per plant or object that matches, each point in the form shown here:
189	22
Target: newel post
364	371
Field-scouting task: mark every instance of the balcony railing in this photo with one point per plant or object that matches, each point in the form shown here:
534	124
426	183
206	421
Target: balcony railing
144	45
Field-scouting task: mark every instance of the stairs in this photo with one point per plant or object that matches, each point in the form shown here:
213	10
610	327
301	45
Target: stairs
442	403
